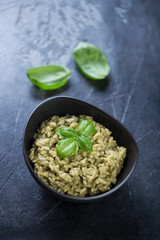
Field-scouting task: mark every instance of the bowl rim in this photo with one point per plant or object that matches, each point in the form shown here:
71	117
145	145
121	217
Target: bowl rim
50	189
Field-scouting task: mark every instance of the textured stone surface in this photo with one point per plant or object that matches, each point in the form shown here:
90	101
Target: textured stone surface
35	33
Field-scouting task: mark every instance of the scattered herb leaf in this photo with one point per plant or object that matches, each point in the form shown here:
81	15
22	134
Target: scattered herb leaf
49	77
91	61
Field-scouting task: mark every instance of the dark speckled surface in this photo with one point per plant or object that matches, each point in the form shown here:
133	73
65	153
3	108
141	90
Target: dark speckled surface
35	33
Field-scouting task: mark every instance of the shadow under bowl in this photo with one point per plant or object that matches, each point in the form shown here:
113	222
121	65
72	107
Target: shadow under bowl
66	105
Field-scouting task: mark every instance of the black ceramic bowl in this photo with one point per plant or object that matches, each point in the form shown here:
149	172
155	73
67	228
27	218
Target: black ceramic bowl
67	105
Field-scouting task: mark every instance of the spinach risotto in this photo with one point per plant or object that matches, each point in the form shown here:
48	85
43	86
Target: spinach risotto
84	174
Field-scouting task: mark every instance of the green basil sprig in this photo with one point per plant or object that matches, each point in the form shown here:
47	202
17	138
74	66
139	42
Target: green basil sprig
73	139
91	61
49	77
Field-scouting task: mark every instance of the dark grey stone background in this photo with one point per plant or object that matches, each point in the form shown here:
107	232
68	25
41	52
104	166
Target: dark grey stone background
37	32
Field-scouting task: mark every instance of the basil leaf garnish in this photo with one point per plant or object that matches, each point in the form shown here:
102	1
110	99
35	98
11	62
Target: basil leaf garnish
49	77
66	132
67	147
74	139
86	127
91	61
85	143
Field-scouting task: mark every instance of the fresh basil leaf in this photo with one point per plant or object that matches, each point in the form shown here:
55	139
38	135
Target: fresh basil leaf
67	147
66	132
91	61
85	143
49	77
86	127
